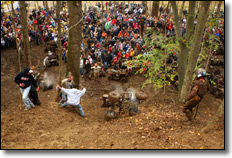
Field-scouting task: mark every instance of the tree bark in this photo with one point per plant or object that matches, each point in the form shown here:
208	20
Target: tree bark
181	10
26	46
155	8
17	43
44	4
47	10
212	41
146	7
218	8
59	46
74	40
195	48
183	54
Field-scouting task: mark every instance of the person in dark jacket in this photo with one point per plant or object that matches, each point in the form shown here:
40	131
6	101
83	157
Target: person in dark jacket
25	80
33	91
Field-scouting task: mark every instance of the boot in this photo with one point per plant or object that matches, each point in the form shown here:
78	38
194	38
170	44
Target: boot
189	115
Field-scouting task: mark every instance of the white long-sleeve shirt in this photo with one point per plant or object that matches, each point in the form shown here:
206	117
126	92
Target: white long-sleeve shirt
74	95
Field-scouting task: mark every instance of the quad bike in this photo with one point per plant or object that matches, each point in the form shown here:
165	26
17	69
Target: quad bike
122	103
121	75
51	46
51	59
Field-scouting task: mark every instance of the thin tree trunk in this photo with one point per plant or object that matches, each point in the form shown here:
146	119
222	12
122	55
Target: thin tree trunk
115	8
44	4
74	40
17	45
155	9
183	54
26	47
214	7
218	9
59	46
195	48
47	10
181	10
146	7
212	42
202	45
168	6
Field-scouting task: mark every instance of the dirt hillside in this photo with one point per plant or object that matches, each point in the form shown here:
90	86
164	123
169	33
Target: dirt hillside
160	125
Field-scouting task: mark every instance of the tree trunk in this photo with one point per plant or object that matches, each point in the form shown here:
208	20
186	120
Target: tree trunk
218	9
195	48
115	8
74	39
212	42
155	8
47	10
26	46
59	46
44	4
146	7
17	43
181	10
167	6
183	54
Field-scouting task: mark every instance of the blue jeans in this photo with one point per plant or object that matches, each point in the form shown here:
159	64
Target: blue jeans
78	106
106	66
27	102
64	96
81	71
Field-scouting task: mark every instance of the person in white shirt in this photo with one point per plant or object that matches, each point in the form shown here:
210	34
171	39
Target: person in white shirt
96	71
74	96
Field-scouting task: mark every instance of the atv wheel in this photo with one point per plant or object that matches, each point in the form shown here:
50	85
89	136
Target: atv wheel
110	77
110	114
123	79
114	97
140	95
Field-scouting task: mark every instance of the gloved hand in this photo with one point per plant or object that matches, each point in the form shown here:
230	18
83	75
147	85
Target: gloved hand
37	89
22	84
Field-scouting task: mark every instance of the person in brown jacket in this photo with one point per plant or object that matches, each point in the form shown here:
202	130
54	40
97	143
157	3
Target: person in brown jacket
200	88
67	84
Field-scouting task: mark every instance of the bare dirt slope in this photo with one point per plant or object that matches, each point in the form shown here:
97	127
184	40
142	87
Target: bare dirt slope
160	125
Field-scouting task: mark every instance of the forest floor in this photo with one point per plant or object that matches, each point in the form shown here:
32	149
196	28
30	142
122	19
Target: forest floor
160	124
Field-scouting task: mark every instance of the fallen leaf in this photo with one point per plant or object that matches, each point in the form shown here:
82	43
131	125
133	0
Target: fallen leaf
201	147
199	134
111	144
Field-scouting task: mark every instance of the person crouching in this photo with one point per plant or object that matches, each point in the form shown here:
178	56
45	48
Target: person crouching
74	95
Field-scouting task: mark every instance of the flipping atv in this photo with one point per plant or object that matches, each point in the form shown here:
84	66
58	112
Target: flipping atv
121	75
122	103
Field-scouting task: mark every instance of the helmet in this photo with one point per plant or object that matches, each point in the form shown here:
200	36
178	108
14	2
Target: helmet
200	72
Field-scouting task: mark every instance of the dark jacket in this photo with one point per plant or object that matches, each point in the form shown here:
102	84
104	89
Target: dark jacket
26	79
